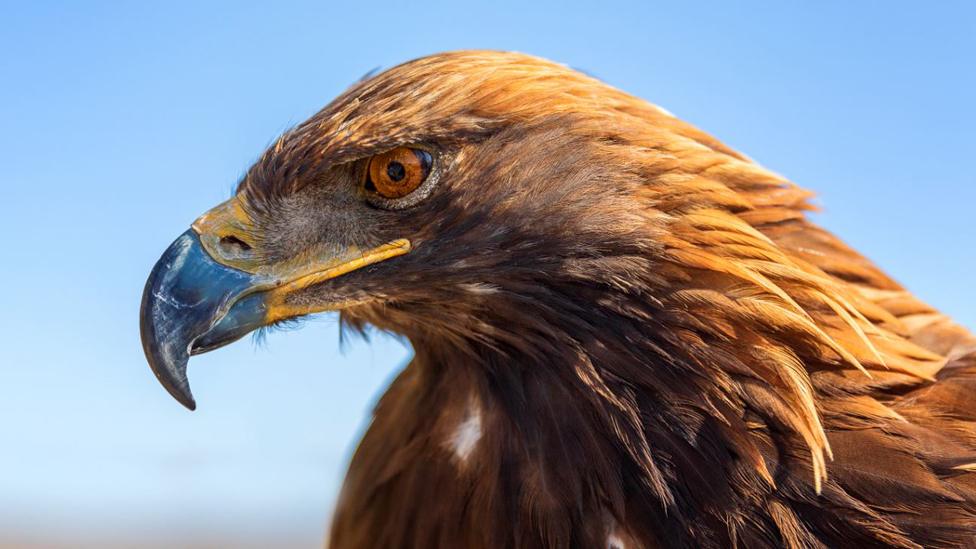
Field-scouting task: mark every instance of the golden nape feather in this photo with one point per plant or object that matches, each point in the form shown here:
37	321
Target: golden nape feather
627	334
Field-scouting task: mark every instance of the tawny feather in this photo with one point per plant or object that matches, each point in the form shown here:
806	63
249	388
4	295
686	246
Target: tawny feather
665	349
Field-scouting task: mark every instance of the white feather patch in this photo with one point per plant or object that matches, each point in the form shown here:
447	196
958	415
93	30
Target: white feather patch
468	433
614	541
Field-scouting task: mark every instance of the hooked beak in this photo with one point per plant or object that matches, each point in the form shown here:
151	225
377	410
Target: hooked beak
201	296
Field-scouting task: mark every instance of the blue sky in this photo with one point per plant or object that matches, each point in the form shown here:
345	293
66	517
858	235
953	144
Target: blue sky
119	124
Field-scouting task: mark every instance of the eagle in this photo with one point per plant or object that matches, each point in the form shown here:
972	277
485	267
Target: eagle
626	334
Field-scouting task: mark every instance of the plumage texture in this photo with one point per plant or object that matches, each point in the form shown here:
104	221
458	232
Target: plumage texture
659	347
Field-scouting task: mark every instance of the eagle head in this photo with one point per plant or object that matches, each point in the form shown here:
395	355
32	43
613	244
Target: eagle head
469	197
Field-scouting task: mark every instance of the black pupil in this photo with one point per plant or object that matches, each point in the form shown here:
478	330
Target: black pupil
395	171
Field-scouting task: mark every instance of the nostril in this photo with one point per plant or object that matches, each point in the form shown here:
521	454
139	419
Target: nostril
233	244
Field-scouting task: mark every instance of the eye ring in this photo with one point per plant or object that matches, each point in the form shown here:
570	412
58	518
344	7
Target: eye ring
400	177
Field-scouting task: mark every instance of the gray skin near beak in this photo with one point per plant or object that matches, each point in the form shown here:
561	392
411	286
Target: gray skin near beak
191	305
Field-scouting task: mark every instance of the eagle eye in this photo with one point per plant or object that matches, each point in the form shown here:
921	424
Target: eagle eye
398	172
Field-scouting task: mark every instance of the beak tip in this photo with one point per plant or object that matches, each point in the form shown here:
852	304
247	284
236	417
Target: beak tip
175	382
183	396
186	399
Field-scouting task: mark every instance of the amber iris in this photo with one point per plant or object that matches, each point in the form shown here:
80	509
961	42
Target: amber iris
398	172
